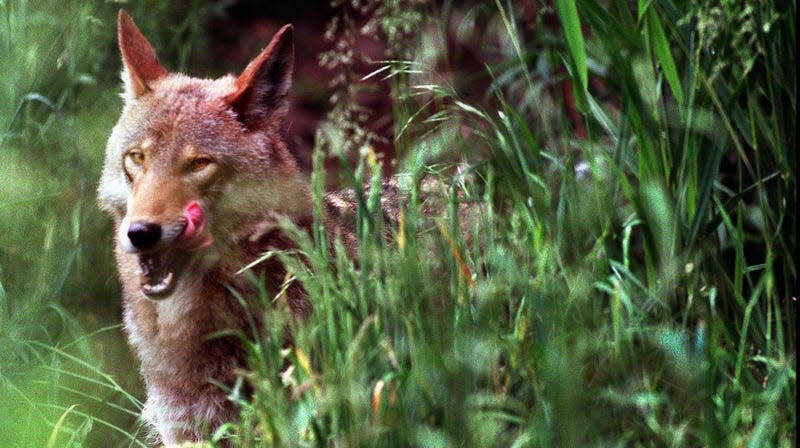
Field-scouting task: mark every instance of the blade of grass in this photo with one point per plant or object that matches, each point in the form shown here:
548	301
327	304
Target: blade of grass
663	53
51	442
568	13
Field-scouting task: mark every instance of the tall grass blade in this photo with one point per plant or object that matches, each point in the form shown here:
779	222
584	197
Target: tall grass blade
662	51
568	13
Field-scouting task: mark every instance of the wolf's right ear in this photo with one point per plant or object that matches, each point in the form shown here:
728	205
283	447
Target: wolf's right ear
139	58
263	84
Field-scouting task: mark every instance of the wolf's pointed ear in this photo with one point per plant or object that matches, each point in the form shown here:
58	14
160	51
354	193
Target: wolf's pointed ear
139	59
261	87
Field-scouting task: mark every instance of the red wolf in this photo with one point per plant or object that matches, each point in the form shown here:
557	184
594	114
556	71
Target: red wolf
196	177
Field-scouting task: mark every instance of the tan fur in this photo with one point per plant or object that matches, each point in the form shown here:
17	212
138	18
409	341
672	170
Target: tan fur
215	144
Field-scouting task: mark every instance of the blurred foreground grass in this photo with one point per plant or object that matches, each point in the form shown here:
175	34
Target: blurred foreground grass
626	277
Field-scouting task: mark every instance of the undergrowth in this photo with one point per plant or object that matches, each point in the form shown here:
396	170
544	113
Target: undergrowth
625	278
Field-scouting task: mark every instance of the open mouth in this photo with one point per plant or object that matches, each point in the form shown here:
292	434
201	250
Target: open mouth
160	271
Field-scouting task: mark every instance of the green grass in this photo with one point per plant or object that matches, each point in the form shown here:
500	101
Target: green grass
623	279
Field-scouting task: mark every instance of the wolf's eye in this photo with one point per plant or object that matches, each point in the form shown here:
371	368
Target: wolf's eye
199	164
136	157
132	163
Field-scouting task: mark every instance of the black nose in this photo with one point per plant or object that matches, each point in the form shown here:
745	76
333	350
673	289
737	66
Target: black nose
144	235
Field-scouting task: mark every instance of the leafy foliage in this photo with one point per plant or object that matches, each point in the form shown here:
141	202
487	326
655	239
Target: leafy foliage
637	281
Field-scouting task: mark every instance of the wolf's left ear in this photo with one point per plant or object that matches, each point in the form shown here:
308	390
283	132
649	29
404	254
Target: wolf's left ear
139	58
262	86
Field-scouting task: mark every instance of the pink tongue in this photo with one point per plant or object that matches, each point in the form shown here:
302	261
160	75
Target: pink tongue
195	223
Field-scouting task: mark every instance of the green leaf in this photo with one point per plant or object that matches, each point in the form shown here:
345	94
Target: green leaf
704	190
663	54
568	12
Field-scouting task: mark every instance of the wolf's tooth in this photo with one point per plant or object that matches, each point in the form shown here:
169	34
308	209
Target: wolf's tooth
159	288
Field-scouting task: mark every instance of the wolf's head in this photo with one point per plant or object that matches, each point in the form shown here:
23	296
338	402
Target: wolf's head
193	162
